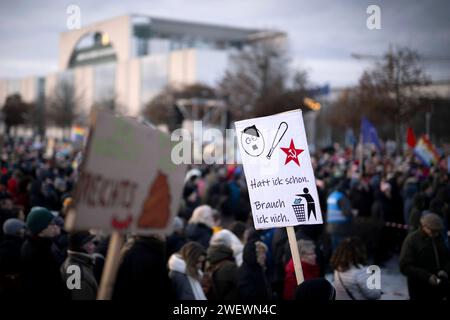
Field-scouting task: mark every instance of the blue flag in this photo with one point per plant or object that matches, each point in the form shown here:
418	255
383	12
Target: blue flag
369	133
350	139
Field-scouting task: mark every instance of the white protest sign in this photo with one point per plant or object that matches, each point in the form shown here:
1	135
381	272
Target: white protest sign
127	180
278	170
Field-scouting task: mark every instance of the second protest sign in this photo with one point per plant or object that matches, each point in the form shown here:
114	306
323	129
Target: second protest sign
278	170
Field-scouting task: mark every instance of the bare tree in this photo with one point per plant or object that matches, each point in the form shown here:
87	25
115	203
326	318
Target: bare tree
346	111
164	108
63	107
257	82
390	90
387	94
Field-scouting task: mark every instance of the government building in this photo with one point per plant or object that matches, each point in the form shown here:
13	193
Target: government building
129	59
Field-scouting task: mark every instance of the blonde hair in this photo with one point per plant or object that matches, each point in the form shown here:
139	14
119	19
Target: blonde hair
305	246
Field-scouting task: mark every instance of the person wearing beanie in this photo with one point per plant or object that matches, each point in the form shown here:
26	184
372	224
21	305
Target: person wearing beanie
6	212
42	278
41	220
80	254
315	290
14	227
229	239
425	260
223	272
10	260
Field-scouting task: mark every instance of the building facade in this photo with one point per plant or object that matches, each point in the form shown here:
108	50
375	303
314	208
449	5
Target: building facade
125	61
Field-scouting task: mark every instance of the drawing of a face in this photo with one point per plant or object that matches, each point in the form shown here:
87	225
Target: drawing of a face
252	141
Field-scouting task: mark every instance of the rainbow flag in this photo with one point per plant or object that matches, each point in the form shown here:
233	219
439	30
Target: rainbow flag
426	152
78	133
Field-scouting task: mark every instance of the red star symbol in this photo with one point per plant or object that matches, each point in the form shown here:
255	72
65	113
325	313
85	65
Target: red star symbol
292	153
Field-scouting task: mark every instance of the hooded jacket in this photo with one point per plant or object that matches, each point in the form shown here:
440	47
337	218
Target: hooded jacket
230	240
224	272
252	280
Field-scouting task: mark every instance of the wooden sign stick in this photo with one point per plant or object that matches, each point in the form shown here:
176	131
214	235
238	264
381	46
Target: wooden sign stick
111	266
295	254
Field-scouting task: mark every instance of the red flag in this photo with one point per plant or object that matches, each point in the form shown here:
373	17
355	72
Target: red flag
411	138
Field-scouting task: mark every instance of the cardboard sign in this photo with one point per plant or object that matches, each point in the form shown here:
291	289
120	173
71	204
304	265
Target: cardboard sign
278	170
127	180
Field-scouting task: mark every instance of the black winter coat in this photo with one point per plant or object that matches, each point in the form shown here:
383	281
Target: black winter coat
11	271
252	281
143	274
42	278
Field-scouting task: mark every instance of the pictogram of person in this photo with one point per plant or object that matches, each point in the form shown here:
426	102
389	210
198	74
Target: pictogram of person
310	205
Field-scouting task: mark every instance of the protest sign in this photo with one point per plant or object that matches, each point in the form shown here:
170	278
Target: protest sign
127	183
278	171
127	180
279	175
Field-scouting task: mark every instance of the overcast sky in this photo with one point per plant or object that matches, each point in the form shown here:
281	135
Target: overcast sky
322	34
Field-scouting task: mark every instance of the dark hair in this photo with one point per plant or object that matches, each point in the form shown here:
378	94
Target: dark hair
315	290
190	253
238	228
350	252
425	185
419	201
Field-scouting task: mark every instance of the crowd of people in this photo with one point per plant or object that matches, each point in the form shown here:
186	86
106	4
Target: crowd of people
388	204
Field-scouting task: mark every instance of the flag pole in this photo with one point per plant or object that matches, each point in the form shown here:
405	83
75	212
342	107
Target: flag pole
361	159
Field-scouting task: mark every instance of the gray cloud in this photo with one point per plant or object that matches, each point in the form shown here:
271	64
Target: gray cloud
322	33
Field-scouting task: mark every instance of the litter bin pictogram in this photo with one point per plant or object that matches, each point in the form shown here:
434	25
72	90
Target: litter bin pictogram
299	210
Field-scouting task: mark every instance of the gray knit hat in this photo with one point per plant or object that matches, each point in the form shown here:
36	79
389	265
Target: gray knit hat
432	221
13	226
